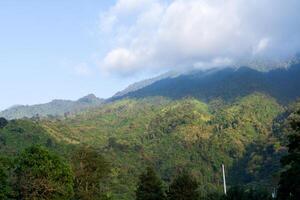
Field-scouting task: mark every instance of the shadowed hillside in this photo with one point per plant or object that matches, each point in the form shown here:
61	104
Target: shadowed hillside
227	84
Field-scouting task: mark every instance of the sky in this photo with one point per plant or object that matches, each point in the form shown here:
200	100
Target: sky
65	49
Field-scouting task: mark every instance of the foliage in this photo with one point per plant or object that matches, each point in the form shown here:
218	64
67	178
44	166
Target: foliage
3	122
18	135
169	135
244	193
149	186
5	187
91	172
43	175
183	187
172	135
289	185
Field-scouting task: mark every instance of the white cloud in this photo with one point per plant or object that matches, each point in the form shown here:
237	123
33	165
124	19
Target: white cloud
217	62
153	34
122	10
120	59
261	46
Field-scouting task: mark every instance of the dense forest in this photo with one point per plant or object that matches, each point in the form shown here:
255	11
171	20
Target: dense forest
155	148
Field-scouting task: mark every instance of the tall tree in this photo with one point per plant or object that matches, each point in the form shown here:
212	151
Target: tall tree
183	187
149	186
43	175
289	184
91	174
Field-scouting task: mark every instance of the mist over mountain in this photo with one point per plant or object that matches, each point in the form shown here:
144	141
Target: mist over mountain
53	108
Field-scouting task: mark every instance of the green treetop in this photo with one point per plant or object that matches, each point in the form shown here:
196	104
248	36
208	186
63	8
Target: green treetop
149	186
43	175
183	187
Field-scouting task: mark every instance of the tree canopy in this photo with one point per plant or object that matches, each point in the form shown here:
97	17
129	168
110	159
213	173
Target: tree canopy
289	185
3	122
149	186
41	174
5	187
183	187
91	171
247	193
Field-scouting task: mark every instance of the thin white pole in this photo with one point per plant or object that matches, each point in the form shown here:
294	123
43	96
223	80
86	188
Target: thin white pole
224	179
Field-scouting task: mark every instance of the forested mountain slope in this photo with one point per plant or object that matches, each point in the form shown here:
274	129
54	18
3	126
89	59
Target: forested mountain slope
181	134
227	84
54	108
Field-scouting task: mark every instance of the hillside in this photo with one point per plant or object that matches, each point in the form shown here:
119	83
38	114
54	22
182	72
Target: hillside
226	83
54	108
187	133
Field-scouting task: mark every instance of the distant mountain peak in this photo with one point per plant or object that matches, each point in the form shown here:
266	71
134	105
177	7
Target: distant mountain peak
56	107
88	98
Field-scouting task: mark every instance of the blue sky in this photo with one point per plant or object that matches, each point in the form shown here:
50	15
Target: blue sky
65	49
45	47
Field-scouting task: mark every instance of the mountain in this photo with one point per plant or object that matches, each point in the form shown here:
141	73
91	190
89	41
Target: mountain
194	121
229	83
170	135
54	108
225	83
257	65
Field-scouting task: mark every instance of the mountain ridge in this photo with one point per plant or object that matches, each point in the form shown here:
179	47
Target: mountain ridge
260	65
226	83
57	107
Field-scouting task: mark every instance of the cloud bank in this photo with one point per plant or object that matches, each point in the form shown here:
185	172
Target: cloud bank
155	34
